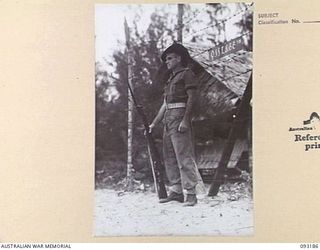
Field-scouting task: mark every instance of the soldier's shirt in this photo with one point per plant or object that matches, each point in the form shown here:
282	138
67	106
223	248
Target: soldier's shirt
177	85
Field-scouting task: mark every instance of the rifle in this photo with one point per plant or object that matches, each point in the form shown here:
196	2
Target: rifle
157	166
228	148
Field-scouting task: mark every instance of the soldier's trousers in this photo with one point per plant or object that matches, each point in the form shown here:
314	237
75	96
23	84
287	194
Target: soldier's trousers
178	153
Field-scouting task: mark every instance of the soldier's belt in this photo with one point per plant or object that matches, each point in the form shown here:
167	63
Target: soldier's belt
175	105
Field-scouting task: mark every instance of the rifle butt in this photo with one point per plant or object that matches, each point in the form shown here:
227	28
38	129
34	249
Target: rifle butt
214	188
157	177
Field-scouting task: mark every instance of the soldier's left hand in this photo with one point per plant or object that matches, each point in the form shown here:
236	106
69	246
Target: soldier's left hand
183	127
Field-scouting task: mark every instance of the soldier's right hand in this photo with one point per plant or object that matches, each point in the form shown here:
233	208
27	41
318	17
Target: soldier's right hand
151	126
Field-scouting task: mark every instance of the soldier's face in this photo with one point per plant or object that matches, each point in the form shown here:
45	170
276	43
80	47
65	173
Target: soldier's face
173	61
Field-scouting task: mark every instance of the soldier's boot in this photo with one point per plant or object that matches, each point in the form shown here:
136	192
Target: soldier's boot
173	197
191	200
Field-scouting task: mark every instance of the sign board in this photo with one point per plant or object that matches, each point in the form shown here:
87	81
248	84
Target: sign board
226	48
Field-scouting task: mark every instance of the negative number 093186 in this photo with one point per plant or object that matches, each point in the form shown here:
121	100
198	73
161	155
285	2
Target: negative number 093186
314	245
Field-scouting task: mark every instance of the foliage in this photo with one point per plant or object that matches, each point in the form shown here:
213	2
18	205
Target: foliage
246	25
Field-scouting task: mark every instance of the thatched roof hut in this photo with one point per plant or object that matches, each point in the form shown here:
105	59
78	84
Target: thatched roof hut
222	83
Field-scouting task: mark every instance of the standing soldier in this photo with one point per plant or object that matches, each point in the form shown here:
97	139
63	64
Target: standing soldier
179	94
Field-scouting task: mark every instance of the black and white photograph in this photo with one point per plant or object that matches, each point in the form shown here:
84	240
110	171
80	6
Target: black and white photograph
173	119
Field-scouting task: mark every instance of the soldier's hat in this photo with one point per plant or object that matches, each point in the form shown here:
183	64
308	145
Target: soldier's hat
178	49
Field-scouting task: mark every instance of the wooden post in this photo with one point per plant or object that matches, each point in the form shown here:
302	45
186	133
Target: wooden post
180	22
129	181
228	148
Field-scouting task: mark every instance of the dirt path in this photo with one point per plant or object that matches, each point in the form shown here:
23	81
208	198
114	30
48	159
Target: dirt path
133	214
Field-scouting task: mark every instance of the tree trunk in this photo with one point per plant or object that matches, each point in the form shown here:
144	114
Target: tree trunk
129	181
180	22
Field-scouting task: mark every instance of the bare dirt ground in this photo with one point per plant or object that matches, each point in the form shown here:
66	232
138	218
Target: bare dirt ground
138	213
